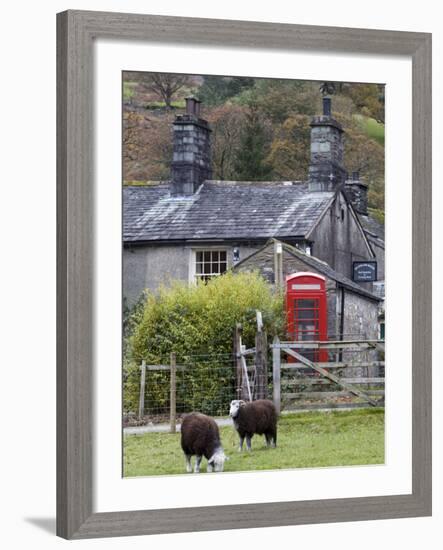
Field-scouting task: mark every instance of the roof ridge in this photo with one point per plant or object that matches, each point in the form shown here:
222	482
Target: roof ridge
257	211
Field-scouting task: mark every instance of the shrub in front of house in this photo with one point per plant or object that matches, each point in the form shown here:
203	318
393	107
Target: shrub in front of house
197	323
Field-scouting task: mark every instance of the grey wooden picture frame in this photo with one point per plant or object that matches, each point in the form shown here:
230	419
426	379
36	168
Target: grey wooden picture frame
76	32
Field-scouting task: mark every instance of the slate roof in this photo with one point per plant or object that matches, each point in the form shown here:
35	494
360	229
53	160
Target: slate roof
326	270
320	266
221	210
375	231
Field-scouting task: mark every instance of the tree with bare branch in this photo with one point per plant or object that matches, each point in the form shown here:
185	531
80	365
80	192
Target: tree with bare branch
165	85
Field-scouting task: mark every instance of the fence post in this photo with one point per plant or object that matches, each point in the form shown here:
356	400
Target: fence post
239	365
261	359
173	402
141	401
276	373
278	265
265	364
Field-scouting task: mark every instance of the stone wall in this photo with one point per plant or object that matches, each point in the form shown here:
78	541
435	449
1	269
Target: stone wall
361	316
360	322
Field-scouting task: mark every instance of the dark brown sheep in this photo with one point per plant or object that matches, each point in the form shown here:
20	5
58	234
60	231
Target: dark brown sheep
200	437
255	417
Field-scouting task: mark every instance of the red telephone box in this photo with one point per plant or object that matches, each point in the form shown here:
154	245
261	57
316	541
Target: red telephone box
306	311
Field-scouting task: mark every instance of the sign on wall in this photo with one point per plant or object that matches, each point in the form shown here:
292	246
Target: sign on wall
364	272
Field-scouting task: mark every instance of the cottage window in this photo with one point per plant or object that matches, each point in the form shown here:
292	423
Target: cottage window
210	263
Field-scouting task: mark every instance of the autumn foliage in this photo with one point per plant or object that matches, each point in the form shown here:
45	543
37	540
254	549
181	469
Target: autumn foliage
260	127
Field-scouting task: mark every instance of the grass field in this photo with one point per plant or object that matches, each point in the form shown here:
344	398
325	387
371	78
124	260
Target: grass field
306	440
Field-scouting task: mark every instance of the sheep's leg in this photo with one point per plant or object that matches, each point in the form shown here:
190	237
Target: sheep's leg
240	447
188	464
271	439
209	469
274	439
248	442
198	460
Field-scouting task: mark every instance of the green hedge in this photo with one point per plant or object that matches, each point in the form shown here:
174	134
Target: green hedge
197	323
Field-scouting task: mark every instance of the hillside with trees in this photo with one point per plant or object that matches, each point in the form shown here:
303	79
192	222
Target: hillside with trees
260	127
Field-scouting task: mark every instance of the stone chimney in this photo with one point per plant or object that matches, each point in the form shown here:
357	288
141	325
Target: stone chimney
357	192
326	171
191	161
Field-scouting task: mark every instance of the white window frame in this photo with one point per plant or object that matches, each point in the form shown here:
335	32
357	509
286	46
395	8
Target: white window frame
193	275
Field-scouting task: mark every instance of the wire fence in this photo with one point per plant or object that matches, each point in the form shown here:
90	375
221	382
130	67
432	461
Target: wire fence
353	371
204	383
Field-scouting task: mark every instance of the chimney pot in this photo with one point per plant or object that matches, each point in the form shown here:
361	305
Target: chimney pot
327	106
191	105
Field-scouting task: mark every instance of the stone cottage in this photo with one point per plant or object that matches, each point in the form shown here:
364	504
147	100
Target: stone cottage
193	227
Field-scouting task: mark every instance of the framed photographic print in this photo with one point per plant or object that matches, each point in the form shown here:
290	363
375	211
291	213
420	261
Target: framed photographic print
222	256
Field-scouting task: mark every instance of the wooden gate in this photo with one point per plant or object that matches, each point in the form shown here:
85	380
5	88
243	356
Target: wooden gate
353	382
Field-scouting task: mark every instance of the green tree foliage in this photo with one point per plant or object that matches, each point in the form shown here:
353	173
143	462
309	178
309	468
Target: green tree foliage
215	90
250	162
201	318
365	155
197	323
279	99
369	99
289	153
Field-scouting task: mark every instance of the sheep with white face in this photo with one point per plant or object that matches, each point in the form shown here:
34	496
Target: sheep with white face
200	437
255	417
